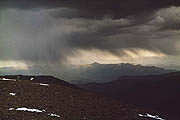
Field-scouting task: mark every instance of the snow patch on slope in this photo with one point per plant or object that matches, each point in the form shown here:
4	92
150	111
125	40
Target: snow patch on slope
12	94
28	110
53	115
5	79
151	116
42	84
34	110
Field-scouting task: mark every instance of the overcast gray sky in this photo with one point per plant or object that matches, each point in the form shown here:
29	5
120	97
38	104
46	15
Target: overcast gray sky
84	31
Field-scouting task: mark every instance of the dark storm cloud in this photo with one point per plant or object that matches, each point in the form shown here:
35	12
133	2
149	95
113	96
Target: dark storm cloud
48	32
95	8
36	35
159	32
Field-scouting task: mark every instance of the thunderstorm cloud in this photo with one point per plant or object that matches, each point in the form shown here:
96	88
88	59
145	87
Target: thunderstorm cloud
46	32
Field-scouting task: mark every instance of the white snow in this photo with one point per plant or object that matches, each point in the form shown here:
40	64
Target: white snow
12	94
151	116
5	79
11	108
32	78
29	110
53	115
34	110
42	84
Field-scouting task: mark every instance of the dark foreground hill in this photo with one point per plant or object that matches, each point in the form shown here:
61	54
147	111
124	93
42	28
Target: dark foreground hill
37	98
160	92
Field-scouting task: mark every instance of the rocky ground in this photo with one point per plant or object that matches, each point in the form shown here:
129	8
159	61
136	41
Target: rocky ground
35	99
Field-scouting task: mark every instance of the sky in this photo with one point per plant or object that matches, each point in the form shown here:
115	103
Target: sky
60	32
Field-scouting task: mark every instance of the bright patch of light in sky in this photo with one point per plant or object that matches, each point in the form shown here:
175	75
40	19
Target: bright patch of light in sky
86	57
15	64
137	56
140	53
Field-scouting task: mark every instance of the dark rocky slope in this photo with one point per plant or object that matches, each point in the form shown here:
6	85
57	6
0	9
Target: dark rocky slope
56	99
160	92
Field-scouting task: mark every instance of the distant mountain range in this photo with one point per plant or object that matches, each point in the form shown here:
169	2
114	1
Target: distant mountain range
161	92
106	72
169	66
94	72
